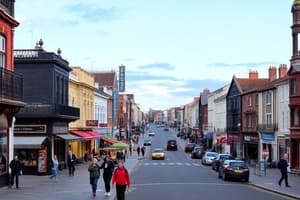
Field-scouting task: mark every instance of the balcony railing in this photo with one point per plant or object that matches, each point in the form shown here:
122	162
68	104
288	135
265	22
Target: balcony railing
267	127
38	55
49	111
11	85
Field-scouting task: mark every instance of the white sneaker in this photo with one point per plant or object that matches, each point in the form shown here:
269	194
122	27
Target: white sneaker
105	194
108	194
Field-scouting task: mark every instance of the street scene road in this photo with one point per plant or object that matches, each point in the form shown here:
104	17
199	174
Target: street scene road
180	177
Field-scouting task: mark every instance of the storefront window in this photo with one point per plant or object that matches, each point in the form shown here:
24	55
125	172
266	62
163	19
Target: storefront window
3	151
28	156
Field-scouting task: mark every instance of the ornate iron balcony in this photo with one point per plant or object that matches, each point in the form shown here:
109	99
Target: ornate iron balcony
11	85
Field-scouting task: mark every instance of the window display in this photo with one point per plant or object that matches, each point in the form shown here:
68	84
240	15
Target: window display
28	156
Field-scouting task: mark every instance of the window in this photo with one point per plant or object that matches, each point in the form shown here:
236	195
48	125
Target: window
2	51
250	100
3	151
269	121
296	117
293	87
256	99
268	98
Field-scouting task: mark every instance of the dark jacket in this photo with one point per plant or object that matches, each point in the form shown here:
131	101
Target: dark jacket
282	165
108	168
15	166
71	159
94	171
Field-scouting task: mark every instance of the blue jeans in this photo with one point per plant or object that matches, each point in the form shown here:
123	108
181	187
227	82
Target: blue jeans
54	173
94	182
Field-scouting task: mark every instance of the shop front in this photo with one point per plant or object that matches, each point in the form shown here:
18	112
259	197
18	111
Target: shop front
268	146
219	142
3	151
234	140
250	147
208	140
33	152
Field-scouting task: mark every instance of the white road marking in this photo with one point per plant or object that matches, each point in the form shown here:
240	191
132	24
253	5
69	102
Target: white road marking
178	163
187	164
192	183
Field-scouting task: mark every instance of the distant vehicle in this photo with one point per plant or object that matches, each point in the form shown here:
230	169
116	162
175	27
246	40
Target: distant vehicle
147	142
234	169
180	134
189	147
208	158
171	145
197	152
151	134
166	128
219	159
158	153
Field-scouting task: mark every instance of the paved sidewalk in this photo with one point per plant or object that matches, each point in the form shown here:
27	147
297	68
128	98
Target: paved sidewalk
268	182
73	188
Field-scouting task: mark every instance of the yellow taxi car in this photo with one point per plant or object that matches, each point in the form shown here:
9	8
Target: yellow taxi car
158	153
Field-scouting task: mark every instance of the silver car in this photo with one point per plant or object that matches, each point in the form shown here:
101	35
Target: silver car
208	158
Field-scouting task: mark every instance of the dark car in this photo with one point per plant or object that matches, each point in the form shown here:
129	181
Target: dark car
171	145
219	159
197	153
189	147
166	128
180	134
234	169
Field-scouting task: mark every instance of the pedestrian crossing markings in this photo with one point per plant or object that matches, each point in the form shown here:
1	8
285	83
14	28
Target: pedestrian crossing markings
169	164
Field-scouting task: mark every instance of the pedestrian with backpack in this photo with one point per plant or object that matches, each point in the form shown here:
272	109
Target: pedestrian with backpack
283	166
121	180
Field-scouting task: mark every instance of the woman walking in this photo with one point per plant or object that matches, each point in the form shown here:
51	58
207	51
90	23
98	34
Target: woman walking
121	180
54	168
94	170
108	169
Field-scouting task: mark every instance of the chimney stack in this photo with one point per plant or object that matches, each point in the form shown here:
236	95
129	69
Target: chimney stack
272	73
282	70
253	74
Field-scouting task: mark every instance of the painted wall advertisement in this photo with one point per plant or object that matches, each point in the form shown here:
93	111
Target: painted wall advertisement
42	160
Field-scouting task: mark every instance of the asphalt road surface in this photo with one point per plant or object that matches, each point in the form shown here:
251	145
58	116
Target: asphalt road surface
180	177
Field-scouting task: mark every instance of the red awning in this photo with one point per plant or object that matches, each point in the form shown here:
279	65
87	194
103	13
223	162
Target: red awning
85	135
106	139
95	134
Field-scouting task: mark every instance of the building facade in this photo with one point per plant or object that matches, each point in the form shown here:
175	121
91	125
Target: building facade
41	128
11	88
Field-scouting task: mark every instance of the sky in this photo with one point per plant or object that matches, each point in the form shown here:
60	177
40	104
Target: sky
172	49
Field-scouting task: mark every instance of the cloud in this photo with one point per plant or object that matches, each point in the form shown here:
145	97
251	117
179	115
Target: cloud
93	13
158	65
248	64
142	76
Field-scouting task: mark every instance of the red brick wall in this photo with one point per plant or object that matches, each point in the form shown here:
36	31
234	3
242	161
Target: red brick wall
249	111
6	29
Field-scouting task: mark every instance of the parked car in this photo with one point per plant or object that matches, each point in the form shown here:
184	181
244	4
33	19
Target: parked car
158	153
197	152
147	142
234	169
171	145
189	147
151	134
218	161
208	157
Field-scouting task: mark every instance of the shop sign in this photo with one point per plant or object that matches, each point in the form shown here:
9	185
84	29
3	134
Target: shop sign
267	137
103	125
60	129
91	123
36	129
233	138
250	138
223	140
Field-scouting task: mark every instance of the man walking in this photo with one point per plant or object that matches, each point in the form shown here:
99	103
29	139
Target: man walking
16	170
143	151
71	163
54	168
283	165
138	150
